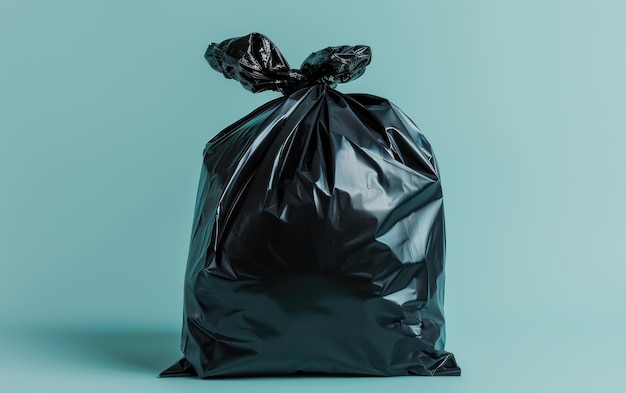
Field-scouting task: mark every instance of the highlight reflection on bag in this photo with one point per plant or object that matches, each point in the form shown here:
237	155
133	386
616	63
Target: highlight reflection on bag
318	236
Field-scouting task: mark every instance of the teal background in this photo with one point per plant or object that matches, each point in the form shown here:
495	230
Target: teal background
105	107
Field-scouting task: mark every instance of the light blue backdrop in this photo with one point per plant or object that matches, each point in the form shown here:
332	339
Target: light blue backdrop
105	107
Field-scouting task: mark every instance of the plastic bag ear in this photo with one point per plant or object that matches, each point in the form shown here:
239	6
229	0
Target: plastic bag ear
337	64
253	60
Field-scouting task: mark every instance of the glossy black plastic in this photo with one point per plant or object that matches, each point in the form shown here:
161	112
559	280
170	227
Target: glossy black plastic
318	239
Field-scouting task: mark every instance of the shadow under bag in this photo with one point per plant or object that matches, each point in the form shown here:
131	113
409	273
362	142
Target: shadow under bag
318	238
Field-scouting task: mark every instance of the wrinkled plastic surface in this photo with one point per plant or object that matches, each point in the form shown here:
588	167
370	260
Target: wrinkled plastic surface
318	238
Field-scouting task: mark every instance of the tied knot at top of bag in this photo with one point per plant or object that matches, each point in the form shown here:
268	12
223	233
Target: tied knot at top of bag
258	65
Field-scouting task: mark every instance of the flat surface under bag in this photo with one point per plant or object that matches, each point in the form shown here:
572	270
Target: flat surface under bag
318	239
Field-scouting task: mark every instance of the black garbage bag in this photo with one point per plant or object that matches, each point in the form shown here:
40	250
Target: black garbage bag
318	235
